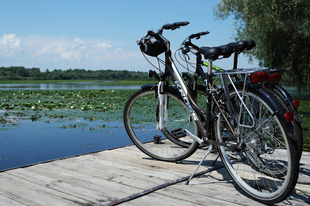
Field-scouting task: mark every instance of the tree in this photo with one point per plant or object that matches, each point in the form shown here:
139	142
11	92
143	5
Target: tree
21	72
280	29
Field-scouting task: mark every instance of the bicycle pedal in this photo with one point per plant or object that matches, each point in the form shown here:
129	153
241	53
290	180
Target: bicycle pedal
178	133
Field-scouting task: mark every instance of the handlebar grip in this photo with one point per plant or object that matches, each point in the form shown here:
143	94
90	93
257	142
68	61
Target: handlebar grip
175	25
181	23
199	34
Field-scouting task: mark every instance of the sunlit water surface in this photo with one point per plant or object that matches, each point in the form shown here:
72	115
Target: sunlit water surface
32	142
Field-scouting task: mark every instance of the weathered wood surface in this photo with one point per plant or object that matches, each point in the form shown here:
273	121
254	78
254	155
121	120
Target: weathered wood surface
103	177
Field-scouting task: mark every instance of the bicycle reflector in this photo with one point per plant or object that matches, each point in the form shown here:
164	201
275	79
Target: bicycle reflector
289	116
258	77
296	103
274	77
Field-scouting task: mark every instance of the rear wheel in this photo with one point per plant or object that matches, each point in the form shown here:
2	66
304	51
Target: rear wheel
267	166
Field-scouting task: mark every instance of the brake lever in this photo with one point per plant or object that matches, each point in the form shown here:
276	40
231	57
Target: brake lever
175	27
185	50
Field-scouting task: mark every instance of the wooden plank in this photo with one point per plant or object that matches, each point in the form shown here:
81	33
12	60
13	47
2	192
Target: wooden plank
185	167
99	166
103	177
70	185
4	201
212	188
29	193
180	197
129	166
118	175
158	199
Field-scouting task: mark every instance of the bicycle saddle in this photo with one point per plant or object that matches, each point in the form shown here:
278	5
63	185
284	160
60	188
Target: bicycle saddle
211	53
250	44
226	50
240	46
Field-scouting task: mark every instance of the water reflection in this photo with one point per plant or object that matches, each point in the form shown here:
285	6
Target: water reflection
64	86
35	142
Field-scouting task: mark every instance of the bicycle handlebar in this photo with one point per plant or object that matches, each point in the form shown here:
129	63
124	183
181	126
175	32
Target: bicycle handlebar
159	32
172	26
189	46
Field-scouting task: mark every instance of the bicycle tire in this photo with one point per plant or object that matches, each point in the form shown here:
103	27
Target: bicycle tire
140	122
271	134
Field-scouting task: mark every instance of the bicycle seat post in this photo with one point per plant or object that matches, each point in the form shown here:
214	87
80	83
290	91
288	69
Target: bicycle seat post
210	67
235	60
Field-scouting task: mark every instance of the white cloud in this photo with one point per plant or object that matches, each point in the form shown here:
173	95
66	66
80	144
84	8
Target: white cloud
118	50
64	53
103	45
63	50
9	45
78	40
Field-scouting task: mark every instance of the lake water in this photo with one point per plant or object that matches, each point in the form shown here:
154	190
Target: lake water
34	142
64	86
29	142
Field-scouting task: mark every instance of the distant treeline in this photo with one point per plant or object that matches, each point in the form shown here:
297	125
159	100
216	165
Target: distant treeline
18	72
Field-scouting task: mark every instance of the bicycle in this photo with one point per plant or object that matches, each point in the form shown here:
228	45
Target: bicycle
253	137
260	80
266	80
240	46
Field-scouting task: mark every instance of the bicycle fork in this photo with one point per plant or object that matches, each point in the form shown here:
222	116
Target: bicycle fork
164	110
163	106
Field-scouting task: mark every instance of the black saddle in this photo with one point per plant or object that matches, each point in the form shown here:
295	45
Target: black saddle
240	46
213	53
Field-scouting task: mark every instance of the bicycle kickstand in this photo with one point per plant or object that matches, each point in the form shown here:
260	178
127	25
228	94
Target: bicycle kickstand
204	157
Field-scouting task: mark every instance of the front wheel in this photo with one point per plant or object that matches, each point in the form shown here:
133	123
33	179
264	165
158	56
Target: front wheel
141	123
266	167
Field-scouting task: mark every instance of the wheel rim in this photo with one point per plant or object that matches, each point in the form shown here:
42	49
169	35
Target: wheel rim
263	168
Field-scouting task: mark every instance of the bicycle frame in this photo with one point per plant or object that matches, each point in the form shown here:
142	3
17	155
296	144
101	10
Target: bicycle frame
193	108
196	111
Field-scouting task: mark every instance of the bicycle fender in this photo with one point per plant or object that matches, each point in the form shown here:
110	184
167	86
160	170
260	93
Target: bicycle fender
289	99
153	86
289	127
169	88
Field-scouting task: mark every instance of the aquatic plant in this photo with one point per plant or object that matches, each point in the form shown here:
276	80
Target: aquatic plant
88	104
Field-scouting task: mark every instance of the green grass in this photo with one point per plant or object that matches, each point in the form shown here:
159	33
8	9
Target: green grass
128	82
107	82
2	81
304	111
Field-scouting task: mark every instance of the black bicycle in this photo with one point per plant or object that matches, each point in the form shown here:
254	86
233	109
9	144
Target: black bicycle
261	80
254	140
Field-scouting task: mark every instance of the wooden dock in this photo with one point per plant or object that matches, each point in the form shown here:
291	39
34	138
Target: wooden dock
128	177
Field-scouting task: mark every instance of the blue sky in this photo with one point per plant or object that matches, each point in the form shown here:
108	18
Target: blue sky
100	34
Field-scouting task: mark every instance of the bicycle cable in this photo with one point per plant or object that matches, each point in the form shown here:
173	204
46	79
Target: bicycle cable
183	58
158	60
158	68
